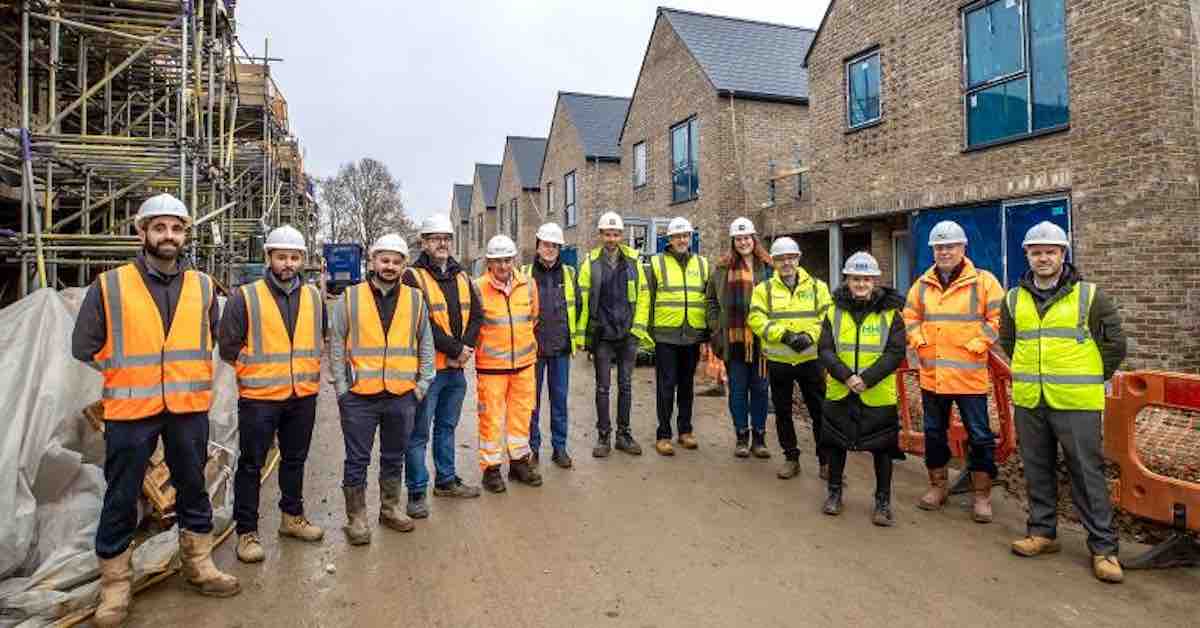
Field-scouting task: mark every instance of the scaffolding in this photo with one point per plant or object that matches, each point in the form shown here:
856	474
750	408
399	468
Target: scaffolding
118	100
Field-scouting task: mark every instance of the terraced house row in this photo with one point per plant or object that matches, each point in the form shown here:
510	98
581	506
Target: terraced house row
889	117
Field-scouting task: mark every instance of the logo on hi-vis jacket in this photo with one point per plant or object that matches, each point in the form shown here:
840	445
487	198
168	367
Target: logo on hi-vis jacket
870	329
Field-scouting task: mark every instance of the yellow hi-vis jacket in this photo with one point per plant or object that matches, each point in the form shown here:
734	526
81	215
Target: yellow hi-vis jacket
1055	356
860	346
676	301
775	309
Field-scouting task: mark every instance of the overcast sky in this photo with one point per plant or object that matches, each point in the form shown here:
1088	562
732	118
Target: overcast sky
430	88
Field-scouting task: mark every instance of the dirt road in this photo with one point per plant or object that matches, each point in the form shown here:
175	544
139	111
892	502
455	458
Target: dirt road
701	539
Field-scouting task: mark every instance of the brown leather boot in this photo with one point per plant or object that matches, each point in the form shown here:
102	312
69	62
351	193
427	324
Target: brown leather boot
299	527
358	532
390	513
116	587
195	551
982	508
935	497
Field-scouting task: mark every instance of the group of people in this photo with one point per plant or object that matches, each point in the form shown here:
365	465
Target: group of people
399	343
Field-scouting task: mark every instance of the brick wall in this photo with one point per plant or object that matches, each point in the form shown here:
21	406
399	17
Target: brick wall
1130	161
479	208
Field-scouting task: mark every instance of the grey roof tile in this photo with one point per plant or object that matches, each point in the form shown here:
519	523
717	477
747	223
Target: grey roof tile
462	197
599	120
489	178
528	153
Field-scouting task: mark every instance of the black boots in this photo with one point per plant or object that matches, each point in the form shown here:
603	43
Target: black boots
626	443
833	502
742	448
522	471
493	481
883	510
603	445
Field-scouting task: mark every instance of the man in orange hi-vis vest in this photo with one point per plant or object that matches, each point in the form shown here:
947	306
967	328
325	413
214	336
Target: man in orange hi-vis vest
952	318
148	327
504	363
272	334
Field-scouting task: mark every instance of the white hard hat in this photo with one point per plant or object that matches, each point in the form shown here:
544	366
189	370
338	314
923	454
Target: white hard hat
551	232
784	246
393	242
947	232
740	227
679	225
287	238
862	264
163	205
500	247
436	223
610	220
1046	232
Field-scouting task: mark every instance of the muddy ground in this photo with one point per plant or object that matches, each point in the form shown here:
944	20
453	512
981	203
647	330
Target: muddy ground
701	539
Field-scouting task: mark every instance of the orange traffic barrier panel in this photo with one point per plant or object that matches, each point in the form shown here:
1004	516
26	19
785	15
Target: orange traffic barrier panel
1152	432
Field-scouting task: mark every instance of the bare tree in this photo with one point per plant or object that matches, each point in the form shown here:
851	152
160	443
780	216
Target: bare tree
361	203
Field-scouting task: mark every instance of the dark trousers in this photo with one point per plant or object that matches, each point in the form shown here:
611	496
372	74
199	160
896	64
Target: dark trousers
258	424
981	451
557	369
883	469
811	379
623	354
128	446
393	416
675	382
1039	432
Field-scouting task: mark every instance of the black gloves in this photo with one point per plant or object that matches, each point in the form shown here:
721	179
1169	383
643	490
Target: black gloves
797	341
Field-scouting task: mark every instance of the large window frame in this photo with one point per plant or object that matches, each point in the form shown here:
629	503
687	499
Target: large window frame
849	67
570	206
1025	72
639	164
689	168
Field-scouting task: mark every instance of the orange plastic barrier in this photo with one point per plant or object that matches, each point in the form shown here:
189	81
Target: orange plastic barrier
912	430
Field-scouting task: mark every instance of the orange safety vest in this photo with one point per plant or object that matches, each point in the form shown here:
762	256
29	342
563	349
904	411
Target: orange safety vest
506	340
953	329
272	365
381	362
145	372
439	312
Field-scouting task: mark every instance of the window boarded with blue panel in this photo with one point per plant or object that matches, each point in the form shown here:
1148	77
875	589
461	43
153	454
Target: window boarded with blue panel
984	229
995	41
1018	218
998	112
1048	53
863	82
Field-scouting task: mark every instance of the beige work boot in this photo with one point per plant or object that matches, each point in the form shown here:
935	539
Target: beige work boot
789	470
1031	546
935	497
298	527
688	441
1107	569
116	590
195	551
982	508
249	548
390	513
358	532
664	447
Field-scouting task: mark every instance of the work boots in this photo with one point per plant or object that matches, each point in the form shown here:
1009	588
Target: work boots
562	459
358	532
758	446
883	510
742	448
1107	569
492	480
626	443
602	448
935	497
389	506
249	548
522	471
418	506
195	551
456	488
1031	546
298	527
833	500
982	507
116	589
664	447
688	441
789	470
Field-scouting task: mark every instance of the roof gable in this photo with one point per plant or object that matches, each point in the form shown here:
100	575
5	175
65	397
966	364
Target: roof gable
599	120
488	176
462	197
527	154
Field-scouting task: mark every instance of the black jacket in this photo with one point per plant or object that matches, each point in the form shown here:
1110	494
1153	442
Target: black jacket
1104	322
553	331
848	423
91	326
461	332
235	323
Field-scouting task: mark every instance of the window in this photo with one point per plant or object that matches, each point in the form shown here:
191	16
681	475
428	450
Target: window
685	161
1016	69
771	192
862	90
569	216
479	231
800	185
512	219
549	198
639	164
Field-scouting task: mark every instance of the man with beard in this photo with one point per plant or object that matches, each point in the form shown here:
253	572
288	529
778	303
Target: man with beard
271	333
381	355
148	328
455	314
1064	336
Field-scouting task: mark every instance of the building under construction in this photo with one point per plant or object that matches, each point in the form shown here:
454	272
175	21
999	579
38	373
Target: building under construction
103	104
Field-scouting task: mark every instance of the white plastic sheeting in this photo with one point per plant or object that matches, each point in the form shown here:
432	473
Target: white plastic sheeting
51	466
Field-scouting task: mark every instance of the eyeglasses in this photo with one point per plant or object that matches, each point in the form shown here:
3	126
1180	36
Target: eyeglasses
439	239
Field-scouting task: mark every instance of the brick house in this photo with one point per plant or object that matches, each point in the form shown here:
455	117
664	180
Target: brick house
582	175
1003	113
718	124
518	199
460	218
483	213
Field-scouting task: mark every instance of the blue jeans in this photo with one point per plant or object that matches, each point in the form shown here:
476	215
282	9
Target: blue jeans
361	416
981	453
559	369
440	410
748	394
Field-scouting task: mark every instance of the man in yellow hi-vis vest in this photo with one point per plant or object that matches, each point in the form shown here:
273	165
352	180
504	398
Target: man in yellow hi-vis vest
272	333
1065	339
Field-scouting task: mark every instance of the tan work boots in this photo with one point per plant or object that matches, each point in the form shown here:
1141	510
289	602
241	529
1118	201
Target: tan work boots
981	509
298	527
116	589
939	490
195	551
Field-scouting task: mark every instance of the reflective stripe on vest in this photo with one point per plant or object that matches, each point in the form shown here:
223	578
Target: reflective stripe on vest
858	347
382	362
506	339
145	372
952	325
439	313
678	294
793	313
274	365
569	294
1055	356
